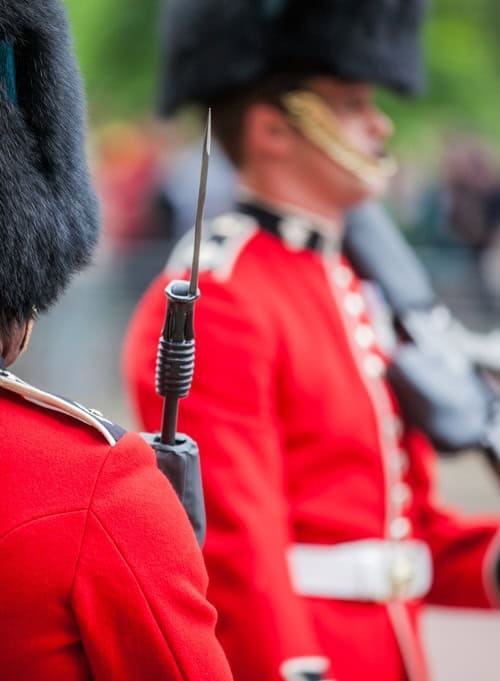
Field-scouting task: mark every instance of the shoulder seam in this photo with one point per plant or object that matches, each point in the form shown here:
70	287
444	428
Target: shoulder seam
46	516
87	512
139	585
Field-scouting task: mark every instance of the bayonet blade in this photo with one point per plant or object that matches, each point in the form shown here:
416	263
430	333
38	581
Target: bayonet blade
207	142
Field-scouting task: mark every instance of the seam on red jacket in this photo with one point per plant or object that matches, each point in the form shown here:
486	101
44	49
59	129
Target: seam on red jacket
84	533
27	523
139	585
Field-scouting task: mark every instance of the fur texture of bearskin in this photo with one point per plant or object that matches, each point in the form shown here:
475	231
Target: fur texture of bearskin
214	47
48	210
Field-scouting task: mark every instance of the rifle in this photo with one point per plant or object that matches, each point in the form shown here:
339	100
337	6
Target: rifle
177	454
441	373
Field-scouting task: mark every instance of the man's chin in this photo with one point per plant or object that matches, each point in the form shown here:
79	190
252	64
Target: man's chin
376	189
362	190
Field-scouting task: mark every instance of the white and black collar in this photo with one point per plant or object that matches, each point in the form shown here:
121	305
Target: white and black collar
299	230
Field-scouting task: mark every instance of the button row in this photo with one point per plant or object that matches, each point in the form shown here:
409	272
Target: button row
374	367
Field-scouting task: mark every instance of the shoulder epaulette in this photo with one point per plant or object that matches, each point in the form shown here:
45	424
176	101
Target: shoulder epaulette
91	417
224	240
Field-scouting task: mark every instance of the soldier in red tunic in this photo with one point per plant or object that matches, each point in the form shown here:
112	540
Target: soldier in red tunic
324	537
101	578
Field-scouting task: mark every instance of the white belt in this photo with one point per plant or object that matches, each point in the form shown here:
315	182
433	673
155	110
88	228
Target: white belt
366	570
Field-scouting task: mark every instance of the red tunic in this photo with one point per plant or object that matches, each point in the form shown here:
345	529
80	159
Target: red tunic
301	441
101	576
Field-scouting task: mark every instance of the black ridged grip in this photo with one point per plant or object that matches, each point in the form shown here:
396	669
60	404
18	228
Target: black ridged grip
175	358
175	367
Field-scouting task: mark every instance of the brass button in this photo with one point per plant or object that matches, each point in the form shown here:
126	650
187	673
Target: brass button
354	304
342	276
364	336
400	528
401	494
295	231
373	366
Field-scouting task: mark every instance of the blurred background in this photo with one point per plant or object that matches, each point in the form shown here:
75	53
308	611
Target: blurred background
446	200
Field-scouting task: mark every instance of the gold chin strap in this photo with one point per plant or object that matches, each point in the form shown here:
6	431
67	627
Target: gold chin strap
28	332
311	116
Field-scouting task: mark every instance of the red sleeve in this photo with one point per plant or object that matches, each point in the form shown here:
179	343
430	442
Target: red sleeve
231	412
139	589
465	550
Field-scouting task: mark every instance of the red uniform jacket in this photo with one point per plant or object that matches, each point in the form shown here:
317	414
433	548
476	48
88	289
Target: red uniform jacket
101	576
301	441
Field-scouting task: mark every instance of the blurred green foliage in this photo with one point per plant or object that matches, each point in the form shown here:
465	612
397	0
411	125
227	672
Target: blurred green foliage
463	58
117	45
117	42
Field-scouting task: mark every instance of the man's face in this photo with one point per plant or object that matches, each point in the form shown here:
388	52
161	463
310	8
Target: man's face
361	126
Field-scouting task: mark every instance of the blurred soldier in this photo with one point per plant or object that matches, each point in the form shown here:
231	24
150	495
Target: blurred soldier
101	577
324	538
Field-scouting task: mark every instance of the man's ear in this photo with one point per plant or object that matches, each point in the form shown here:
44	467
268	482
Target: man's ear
16	341
268	132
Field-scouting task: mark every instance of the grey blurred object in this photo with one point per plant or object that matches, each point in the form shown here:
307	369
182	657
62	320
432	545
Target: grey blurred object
456	227
436	365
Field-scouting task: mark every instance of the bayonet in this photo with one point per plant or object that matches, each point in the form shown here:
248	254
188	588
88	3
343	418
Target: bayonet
176	454
207	143
175	361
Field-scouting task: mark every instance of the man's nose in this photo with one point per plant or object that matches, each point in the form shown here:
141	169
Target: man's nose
381	126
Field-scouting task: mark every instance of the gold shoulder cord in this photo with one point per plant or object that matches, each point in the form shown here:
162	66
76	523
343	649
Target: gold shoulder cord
311	116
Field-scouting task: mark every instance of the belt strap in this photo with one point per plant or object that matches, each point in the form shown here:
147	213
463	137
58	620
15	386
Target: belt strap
375	570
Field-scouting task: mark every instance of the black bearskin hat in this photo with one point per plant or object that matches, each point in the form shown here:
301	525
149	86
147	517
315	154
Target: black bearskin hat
48	211
214	46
